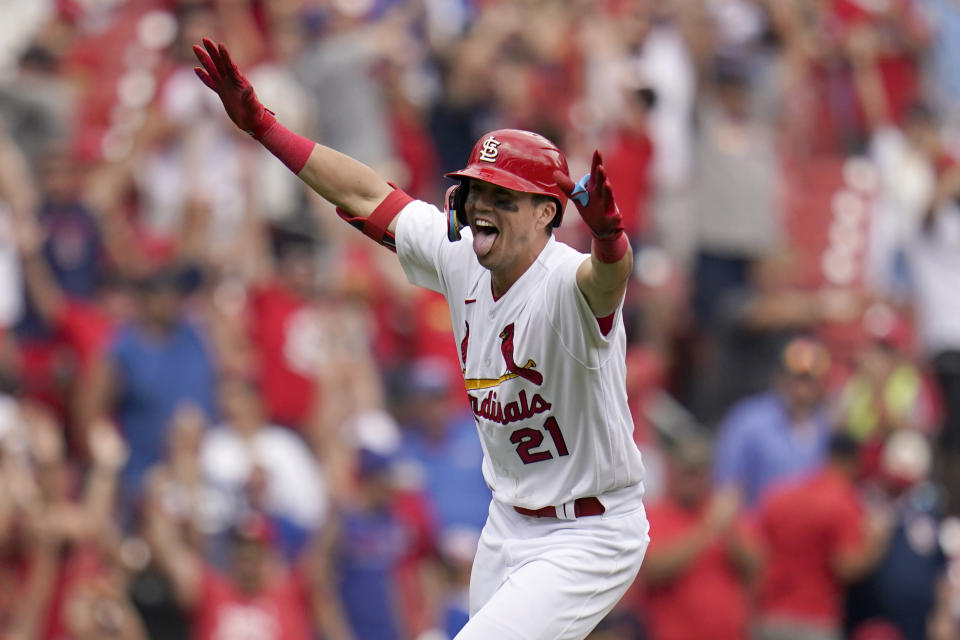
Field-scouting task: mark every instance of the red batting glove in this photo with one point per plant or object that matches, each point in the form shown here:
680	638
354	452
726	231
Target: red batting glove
593	198
239	99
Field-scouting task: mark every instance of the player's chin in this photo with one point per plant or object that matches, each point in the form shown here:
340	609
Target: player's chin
487	260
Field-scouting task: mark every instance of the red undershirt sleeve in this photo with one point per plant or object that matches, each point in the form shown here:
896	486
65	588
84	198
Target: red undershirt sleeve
375	226
606	323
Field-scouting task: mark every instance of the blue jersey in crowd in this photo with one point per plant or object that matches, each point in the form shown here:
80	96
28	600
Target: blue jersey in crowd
155	376
452	474
371	546
758	445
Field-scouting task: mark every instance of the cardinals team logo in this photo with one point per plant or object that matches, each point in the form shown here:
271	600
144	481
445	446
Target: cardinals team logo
487	404
489	151
513	370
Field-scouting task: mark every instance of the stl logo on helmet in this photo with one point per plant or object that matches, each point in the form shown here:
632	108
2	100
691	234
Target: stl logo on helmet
489	151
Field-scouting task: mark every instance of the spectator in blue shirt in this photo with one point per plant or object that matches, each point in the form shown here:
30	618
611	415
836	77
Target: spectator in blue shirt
72	246
155	364
781	433
360	550
441	444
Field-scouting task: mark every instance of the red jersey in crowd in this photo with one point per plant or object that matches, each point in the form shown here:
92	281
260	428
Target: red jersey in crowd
49	365
804	526
708	600
87	330
278	612
414	148
628	163
646	376
899	70
360	276
432	332
282	324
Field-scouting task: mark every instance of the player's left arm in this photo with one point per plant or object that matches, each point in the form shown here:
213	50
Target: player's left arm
603	284
602	278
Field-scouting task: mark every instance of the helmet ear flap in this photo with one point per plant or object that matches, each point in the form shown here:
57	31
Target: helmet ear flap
455	205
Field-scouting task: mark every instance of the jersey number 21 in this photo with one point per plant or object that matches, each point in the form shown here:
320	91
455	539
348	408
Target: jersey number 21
528	439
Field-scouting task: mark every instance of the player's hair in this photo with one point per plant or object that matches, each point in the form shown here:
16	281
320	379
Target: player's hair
539	199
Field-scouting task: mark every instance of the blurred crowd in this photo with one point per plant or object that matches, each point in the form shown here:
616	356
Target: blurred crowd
225	415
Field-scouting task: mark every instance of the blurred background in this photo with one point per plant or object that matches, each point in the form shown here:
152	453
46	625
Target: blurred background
225	415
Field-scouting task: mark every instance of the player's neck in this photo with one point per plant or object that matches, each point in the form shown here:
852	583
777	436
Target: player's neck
500	283
502	279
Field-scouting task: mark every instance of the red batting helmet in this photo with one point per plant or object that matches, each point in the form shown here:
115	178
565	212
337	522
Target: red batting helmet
513	159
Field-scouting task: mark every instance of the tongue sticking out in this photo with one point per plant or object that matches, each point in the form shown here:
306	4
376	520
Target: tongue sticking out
483	242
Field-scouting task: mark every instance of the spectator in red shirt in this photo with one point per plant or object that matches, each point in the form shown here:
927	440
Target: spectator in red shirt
261	597
629	158
817	538
282	328
696	569
901	36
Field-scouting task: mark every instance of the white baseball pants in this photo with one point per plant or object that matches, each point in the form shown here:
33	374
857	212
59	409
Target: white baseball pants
552	579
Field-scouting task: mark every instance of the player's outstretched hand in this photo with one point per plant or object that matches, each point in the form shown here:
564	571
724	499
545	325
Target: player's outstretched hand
219	72
594	199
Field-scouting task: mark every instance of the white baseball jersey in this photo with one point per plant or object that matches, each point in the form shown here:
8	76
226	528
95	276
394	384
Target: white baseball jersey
546	386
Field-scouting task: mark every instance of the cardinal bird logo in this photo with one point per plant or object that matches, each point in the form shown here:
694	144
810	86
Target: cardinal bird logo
506	348
527	371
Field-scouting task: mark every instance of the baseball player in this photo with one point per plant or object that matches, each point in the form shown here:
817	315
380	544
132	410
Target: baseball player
542	348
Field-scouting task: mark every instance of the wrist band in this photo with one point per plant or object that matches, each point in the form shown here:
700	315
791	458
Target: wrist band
611	249
291	149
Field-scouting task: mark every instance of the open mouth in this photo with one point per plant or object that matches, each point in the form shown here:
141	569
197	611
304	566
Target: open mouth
485	233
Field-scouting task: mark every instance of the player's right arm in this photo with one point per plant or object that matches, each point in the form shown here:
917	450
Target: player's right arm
352	186
349	184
